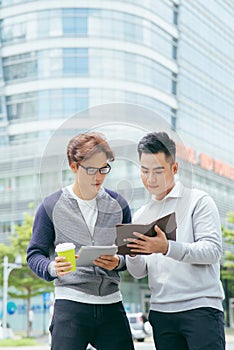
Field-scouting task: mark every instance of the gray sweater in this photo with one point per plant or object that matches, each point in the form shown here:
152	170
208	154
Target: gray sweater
58	220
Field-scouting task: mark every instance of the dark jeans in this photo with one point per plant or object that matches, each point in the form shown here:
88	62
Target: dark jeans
197	329
74	325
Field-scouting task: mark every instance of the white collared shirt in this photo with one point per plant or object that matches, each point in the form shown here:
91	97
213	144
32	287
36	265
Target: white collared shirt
189	275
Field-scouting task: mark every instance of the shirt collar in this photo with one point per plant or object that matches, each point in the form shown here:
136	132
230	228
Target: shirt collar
69	192
175	192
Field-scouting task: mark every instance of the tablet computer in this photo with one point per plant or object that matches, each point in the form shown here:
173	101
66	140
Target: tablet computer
87	254
123	231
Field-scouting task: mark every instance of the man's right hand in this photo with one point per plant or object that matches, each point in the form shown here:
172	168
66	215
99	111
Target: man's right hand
62	267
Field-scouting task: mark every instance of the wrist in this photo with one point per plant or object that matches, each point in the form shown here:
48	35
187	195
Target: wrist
117	262
166	249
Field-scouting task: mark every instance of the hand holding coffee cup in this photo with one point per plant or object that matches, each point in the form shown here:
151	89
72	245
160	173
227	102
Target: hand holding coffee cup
65	262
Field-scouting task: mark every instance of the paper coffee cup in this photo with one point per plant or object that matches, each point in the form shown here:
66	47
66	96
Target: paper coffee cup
68	251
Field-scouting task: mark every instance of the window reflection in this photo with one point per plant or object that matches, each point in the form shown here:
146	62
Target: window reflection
75	61
97	63
48	104
77	22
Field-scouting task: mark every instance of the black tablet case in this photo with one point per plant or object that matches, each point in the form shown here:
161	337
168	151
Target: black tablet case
123	231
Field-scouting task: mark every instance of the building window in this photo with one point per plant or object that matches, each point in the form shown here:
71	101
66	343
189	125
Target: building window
75	61
175	14
174	83
75	21
46	104
174	48
173	120
5	226
20	66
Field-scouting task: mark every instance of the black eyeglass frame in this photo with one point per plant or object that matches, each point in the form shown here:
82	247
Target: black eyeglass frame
93	171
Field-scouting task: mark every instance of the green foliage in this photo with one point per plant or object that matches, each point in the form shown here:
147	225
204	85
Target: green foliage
227	271
230	217
22	282
6	250
22	235
26	284
228	236
17	342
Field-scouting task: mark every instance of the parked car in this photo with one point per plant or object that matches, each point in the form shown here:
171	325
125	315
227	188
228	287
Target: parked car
140	326
8	332
90	347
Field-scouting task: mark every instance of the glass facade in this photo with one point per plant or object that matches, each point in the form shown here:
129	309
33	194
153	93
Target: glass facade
58	59
45	104
81	22
86	62
206	81
205	87
163	55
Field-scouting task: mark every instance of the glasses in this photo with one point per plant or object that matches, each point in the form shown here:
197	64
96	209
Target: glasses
93	171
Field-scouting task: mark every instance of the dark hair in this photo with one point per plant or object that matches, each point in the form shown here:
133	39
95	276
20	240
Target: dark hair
83	146
156	142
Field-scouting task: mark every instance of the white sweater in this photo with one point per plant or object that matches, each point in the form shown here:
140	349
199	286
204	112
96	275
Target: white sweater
188	276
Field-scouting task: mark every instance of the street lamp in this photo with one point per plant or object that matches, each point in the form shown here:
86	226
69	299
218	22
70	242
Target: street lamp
7	268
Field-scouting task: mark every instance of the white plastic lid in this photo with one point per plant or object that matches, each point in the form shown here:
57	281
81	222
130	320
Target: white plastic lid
62	247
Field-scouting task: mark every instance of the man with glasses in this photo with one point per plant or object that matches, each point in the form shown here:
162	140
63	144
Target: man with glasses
88	303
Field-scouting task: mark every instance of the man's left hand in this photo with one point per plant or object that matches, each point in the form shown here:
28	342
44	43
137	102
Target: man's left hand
108	262
149	245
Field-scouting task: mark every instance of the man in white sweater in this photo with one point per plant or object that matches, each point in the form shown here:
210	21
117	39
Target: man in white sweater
186	310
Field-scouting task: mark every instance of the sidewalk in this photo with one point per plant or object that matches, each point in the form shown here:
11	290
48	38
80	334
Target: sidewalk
229	334
44	345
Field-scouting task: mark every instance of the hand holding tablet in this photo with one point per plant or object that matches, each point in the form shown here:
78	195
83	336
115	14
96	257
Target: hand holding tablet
124	231
87	254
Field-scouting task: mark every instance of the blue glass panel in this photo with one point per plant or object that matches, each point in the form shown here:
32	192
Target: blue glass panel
82	66
75	25
82	103
81	25
75	61
69	25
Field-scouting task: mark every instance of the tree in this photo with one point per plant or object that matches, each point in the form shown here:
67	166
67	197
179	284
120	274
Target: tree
227	267
228	236
26	284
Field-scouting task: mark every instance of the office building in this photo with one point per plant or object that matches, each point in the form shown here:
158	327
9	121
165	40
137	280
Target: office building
58	58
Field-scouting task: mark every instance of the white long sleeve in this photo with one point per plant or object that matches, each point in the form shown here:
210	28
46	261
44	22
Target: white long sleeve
207	245
188	276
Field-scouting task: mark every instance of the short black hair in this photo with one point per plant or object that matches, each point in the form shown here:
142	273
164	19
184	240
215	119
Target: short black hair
156	142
